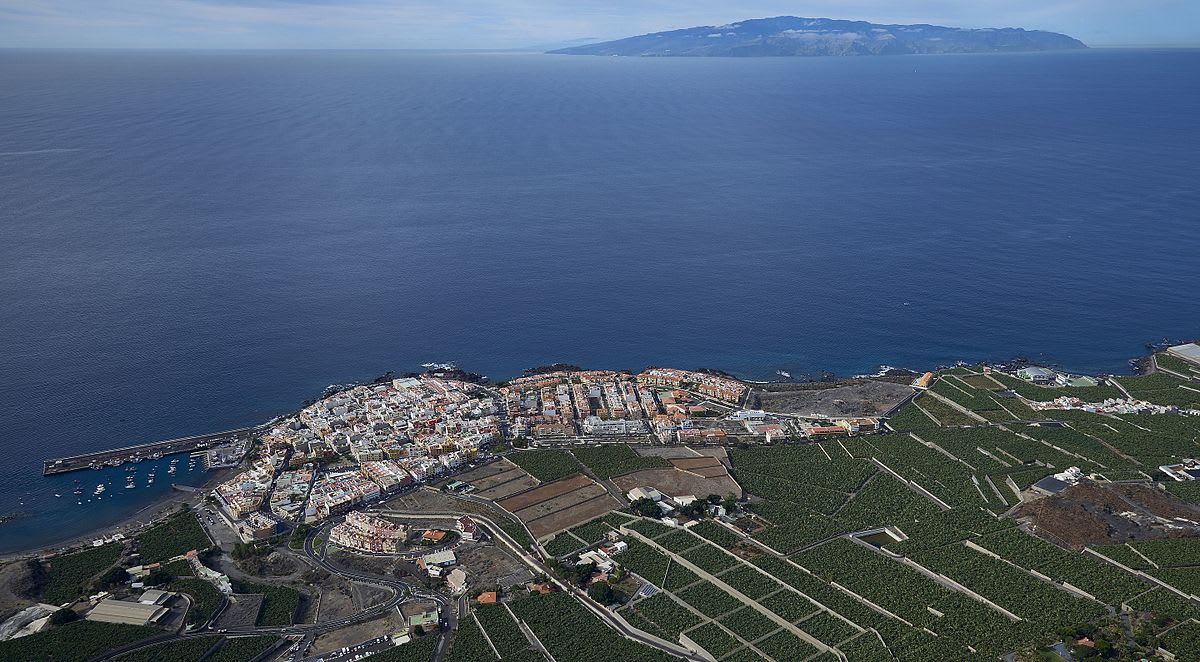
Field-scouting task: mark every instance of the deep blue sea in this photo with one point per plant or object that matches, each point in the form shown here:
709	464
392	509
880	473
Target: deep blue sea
194	241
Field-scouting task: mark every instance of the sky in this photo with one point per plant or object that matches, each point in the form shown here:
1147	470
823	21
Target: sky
506	24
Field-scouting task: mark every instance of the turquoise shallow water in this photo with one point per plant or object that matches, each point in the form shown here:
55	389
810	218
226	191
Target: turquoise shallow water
198	241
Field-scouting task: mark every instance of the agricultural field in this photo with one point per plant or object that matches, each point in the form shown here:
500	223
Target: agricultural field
502	630
616	460
180	534
714	639
560	505
667	616
240	649
587	640
1163	389
206	599
280	603
546	465
184	650
469	644
418	650
592	532
946	415
563	544
1188	491
1183	641
66	577
1174	364
948	489
73	642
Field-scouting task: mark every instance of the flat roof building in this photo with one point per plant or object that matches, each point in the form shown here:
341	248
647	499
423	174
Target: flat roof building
128	613
155	596
1188	352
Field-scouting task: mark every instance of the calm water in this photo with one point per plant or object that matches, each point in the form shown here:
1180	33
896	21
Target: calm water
198	241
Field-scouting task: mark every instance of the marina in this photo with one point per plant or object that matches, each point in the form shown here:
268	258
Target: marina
135	454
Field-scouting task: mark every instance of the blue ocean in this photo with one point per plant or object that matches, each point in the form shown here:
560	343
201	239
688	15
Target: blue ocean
196	241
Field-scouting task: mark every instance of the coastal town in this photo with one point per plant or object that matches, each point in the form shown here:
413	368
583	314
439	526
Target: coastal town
668	514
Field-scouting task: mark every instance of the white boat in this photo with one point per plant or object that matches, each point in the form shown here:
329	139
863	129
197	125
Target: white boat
100	488
130	486
150	481
57	496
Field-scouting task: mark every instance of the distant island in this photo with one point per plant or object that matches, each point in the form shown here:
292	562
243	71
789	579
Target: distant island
791	36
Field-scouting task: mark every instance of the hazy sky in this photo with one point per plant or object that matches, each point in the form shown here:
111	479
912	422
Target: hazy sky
523	23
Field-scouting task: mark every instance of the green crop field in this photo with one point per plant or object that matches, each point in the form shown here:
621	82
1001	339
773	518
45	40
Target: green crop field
73	642
617	460
240	649
206	599
184	650
178	535
586	640
546	465
67	576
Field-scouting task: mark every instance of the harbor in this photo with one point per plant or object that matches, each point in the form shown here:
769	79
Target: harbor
142	452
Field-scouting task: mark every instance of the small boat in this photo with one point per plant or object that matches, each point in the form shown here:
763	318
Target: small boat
57	496
150	480
100	488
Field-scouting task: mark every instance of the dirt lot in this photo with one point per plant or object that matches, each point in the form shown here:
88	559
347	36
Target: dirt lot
545	493
14	581
390	623
1100	514
474	475
674	482
499	479
431	500
668	452
573	516
488	566
377	565
512	483
704	467
856	398
545	507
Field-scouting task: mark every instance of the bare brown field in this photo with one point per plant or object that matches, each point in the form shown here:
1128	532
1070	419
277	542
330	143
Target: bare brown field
543	493
517	482
696	462
560	502
475	475
574	515
675	482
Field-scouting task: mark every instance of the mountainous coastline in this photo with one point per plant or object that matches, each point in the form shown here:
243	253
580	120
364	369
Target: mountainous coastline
785	36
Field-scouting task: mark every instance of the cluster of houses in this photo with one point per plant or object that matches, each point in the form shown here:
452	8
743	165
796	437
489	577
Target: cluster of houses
364	533
397	433
717	387
1107	406
603	402
608	403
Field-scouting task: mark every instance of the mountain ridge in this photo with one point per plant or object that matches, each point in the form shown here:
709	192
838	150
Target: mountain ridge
792	36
